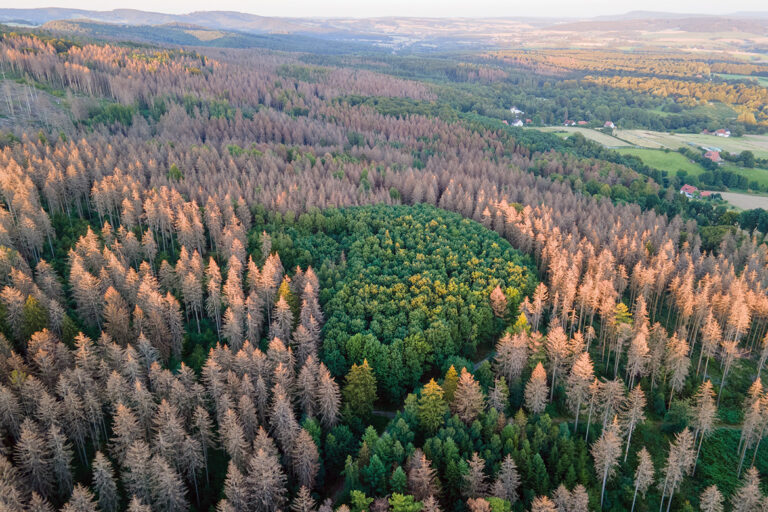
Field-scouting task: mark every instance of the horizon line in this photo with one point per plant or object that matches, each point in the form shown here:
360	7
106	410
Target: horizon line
405	16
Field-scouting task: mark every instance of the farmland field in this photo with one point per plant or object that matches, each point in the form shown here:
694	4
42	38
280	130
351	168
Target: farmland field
665	161
589	133
745	201
758	144
759	79
753	174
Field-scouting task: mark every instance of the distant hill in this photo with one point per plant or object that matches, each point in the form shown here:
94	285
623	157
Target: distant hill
230	20
709	24
400	34
188	34
647	15
44	15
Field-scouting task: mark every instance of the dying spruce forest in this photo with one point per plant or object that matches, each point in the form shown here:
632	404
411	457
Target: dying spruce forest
317	279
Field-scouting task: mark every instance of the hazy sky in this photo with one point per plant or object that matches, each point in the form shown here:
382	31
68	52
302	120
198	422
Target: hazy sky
437	8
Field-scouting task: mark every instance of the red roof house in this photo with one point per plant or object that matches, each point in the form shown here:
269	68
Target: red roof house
688	190
714	156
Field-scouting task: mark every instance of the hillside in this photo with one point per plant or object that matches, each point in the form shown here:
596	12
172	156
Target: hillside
423	34
180	34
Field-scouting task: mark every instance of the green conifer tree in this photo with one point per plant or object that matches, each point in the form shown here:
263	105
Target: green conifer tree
359	391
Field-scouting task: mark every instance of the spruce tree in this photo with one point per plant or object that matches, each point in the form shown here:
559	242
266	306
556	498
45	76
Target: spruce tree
359	390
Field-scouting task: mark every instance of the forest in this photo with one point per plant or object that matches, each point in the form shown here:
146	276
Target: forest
335	289
689	79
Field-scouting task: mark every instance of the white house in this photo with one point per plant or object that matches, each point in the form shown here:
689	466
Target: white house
515	111
517	122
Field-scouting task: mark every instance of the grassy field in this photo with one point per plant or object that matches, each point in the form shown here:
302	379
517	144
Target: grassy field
650	147
754	174
745	201
761	80
715	110
663	160
589	133
758	144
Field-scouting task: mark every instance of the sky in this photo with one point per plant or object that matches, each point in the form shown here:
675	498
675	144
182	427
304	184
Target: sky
432	8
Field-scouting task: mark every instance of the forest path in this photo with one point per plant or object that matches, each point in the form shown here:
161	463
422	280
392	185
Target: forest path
486	358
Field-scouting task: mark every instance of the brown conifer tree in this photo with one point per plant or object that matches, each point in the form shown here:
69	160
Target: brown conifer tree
468	400
536	390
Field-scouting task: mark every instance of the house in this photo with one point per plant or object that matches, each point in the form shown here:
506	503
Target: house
582	123
568	122
723	132
528	121
688	190
714	156
517	122
515	111
609	124
505	122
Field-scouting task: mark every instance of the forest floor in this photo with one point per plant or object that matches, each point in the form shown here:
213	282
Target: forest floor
23	104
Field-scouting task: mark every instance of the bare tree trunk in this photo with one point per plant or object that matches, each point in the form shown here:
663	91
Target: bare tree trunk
589	421
741	460
698	450
629	438
663	494
602	491
669	503
552	391
634	499
578	413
